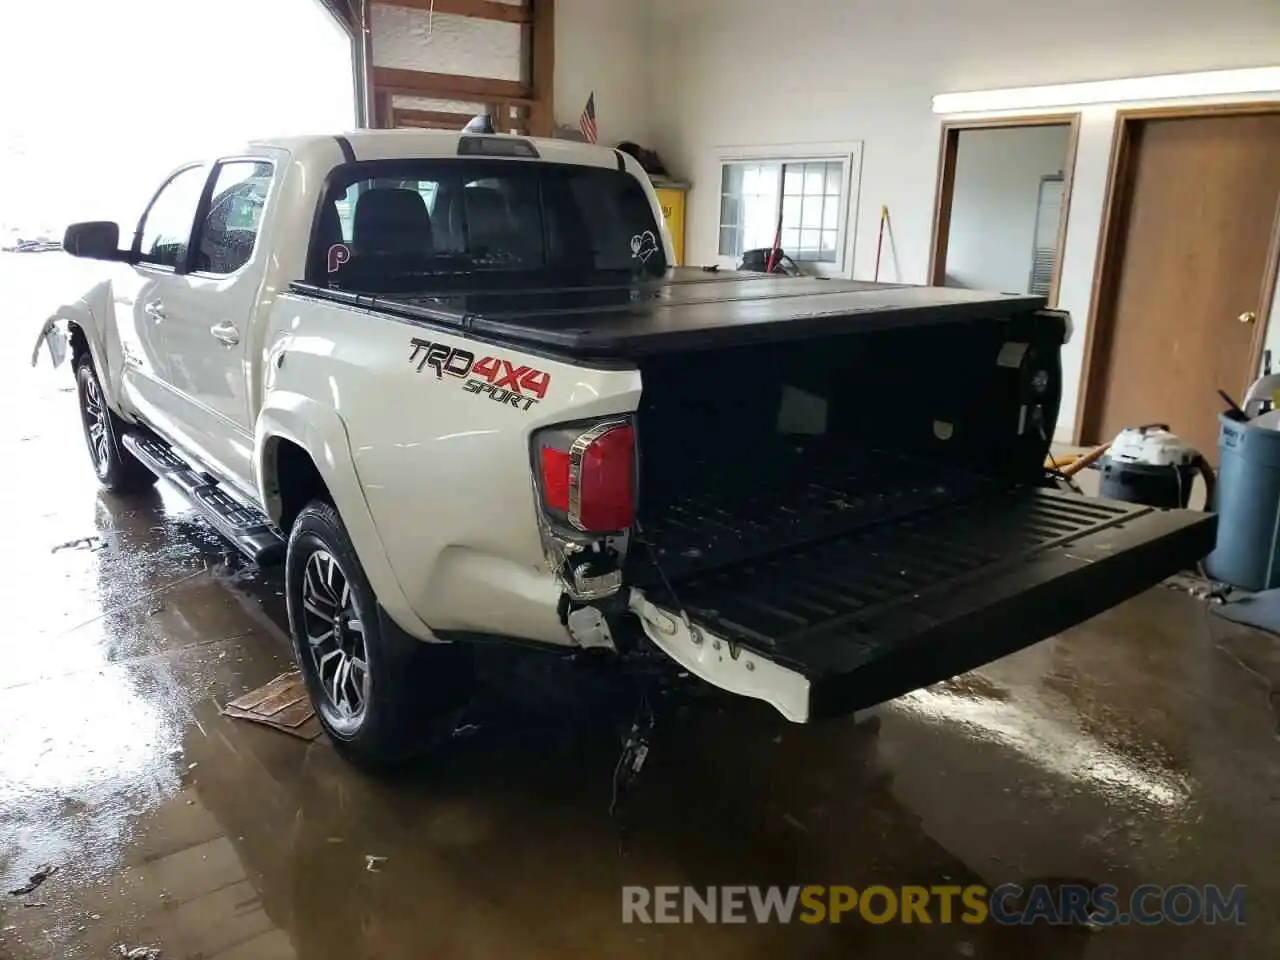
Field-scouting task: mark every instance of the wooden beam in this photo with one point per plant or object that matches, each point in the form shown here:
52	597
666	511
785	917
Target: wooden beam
495	112
449	86
383	111
542	53
481	9
434	119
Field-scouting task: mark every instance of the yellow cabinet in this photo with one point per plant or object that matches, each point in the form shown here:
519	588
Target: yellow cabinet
672	197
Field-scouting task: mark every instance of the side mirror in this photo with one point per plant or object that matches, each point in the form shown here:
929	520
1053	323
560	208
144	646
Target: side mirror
95	240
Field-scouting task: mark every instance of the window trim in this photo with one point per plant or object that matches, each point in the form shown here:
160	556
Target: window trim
849	154
206	200
180	266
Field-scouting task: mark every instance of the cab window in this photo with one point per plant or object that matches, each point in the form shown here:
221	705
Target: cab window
227	233
165	229
395	225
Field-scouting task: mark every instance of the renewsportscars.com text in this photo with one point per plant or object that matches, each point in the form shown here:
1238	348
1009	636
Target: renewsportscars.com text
1007	904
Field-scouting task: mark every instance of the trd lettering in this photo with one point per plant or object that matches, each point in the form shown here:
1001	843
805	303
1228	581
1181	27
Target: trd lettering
507	383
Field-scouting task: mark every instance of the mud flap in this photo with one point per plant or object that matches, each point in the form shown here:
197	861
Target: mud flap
54	337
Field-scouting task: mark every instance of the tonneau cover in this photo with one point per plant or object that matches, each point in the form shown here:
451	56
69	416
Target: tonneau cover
690	309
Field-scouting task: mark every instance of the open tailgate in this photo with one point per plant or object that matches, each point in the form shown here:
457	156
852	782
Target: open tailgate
832	626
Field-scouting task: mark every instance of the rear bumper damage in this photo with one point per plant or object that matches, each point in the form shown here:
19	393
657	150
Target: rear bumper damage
722	662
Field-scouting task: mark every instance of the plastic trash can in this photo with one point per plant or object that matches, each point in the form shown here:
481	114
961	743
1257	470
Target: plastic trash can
1247	554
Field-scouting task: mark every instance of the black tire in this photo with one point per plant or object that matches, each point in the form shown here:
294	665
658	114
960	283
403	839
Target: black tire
398	699
117	469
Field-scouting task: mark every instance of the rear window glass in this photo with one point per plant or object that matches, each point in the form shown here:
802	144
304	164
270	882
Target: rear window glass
393	226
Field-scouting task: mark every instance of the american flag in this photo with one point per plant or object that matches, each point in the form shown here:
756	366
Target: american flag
588	121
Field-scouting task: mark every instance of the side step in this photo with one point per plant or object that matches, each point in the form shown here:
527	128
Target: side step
246	527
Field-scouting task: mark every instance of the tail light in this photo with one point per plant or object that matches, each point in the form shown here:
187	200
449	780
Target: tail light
587	475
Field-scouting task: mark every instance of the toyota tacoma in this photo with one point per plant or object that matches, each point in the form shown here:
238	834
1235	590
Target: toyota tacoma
453	383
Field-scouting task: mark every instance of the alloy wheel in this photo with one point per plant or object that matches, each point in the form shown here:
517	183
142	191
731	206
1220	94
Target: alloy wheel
95	423
335	636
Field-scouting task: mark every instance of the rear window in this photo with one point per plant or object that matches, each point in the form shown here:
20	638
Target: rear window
395	226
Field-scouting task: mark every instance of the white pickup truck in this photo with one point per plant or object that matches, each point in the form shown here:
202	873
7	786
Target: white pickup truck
452	382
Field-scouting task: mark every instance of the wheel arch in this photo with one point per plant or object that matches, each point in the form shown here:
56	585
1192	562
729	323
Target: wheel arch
290	480
90	328
302	453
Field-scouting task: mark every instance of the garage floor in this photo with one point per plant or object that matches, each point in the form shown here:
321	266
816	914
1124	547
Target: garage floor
1140	748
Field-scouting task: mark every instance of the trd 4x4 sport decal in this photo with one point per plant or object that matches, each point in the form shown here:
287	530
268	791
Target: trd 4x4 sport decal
500	380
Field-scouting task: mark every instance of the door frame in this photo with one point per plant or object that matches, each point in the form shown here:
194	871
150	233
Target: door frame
944	193
1107	265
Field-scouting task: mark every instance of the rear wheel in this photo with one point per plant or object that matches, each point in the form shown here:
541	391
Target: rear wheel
116	468
381	695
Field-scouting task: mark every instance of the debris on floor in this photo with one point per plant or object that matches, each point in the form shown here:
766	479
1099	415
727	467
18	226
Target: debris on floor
374	863
282	704
42	874
91	543
1198	586
138	953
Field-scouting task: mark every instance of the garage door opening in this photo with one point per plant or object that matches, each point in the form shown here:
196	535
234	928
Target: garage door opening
116	96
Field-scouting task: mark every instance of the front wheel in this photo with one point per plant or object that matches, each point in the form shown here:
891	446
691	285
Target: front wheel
381	695
116	468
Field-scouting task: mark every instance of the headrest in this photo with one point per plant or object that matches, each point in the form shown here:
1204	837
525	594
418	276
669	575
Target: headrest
391	220
488	220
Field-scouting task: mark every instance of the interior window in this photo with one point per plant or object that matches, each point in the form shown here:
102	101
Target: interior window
225	239
803	198
165	229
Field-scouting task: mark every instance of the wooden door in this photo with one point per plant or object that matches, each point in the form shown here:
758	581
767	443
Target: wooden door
1198	201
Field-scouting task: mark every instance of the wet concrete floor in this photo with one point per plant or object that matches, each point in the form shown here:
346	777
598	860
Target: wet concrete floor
1139	748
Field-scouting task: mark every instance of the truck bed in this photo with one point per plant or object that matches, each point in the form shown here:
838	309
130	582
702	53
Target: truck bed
690	309
802	494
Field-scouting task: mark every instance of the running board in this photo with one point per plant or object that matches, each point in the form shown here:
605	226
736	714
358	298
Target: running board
247	528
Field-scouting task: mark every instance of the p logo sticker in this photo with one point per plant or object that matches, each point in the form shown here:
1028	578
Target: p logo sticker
339	254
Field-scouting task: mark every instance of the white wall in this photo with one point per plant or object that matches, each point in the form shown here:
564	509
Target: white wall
760	72
993	211
607	46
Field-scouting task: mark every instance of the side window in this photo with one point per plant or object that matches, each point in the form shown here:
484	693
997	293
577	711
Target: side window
228	231
166	226
346	208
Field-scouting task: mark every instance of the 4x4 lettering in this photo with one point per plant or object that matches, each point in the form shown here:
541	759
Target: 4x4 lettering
511	376
487	368
536	382
508	384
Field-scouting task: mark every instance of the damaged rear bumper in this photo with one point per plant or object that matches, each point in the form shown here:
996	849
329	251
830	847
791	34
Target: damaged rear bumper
721	662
